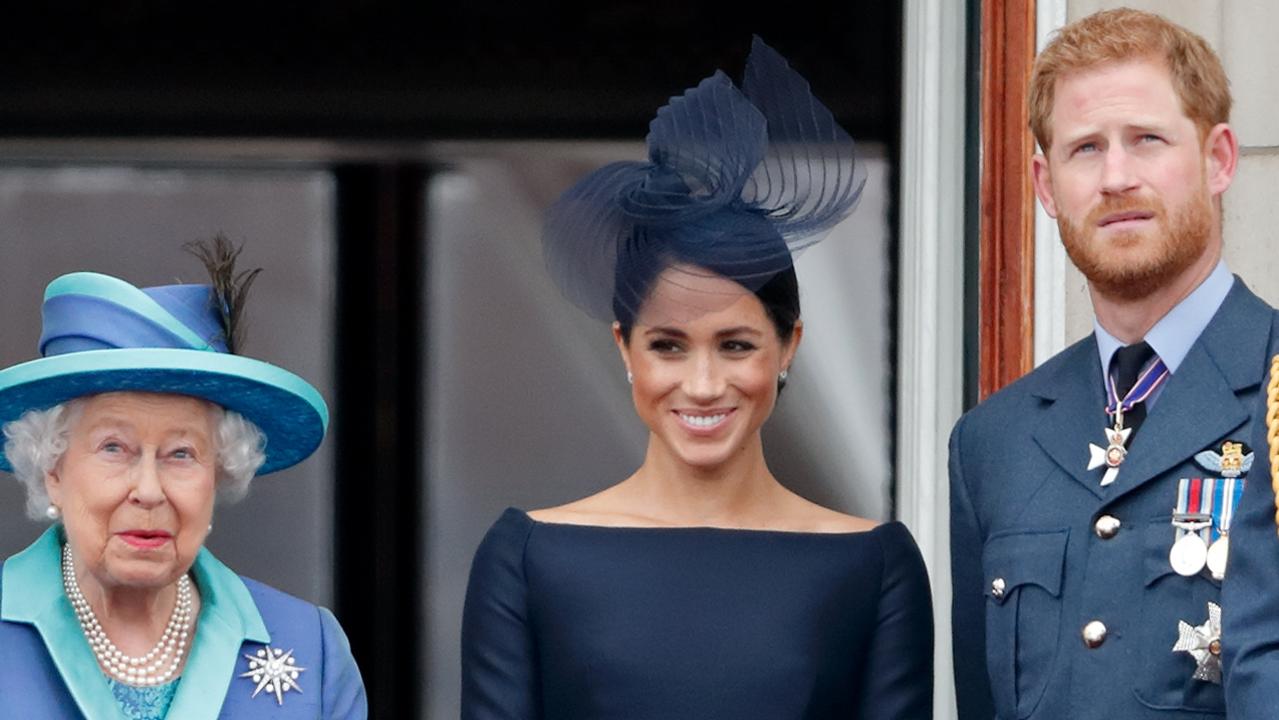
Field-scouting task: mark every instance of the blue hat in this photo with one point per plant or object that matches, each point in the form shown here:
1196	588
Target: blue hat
102	334
737	181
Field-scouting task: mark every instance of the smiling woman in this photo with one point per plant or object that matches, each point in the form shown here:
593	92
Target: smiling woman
704	387
701	586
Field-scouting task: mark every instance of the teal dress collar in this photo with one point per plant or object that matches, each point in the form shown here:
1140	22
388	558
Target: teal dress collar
144	703
33	594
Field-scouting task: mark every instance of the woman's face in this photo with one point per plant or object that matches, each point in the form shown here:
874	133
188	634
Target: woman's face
704	383
136	486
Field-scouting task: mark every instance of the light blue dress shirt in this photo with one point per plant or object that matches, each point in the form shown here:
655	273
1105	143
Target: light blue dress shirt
1172	337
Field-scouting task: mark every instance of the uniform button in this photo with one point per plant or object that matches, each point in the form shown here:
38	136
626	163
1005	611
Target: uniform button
1094	634
1106	526
997	588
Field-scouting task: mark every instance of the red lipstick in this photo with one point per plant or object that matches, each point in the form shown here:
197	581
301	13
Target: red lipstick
145	539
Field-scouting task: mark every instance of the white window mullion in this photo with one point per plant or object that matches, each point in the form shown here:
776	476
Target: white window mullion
930	360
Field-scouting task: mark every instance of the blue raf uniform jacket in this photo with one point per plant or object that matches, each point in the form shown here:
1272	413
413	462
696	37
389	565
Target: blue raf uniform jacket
47	670
1032	567
1250	632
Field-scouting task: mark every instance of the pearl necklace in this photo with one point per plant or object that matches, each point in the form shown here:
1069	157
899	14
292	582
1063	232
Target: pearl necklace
160	663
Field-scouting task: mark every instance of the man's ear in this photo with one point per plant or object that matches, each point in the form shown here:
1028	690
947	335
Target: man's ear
1221	158
1042	179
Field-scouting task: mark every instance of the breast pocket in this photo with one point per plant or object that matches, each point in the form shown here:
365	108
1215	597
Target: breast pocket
1023	572
1166	681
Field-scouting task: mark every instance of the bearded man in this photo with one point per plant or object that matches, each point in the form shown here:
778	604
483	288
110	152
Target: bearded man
1091	500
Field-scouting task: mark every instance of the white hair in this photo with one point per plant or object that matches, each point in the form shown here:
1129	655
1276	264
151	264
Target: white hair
36	441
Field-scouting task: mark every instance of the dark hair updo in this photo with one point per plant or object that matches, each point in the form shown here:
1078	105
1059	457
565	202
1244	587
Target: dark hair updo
769	275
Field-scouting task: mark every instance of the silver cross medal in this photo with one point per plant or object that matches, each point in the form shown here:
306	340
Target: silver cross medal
1114	453
1203	642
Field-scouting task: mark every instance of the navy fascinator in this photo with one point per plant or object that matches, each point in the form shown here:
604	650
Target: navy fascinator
736	182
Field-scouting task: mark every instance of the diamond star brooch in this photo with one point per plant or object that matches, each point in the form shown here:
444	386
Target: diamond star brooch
275	671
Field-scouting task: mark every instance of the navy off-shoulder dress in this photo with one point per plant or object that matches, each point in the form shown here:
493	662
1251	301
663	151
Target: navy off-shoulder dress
572	622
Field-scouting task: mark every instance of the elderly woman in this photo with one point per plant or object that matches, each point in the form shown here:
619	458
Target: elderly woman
700	586
137	415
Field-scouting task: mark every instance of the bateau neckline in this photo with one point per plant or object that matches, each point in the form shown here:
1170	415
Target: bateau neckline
701	528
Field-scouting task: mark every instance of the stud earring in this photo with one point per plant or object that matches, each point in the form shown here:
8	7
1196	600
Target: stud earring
783	375
52	512
630	379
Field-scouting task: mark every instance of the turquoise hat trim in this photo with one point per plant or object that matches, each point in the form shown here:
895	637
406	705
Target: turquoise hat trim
288	410
127	296
96	361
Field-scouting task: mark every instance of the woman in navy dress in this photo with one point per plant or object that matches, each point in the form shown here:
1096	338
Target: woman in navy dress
700	587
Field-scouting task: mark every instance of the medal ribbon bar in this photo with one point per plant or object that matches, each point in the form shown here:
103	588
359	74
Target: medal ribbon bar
1230	501
1218	506
1194	512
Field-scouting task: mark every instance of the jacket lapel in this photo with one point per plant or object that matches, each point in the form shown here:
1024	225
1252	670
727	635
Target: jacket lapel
1200	405
34	595
228	618
1076	413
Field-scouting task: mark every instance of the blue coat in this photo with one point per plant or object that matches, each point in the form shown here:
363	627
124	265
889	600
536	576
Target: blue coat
1030	566
47	670
1251	589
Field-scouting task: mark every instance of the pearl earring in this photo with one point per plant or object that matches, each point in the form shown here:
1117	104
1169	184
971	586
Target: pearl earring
52	512
630	379
782	375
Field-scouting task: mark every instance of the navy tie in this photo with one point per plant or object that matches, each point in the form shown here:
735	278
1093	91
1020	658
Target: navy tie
1125	367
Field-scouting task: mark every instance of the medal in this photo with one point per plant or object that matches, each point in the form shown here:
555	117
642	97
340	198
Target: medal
1191	519
1112	455
1188	555
1229	491
1115	451
1216	558
1203	643
1201	523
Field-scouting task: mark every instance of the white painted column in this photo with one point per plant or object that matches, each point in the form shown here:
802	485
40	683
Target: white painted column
930	366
